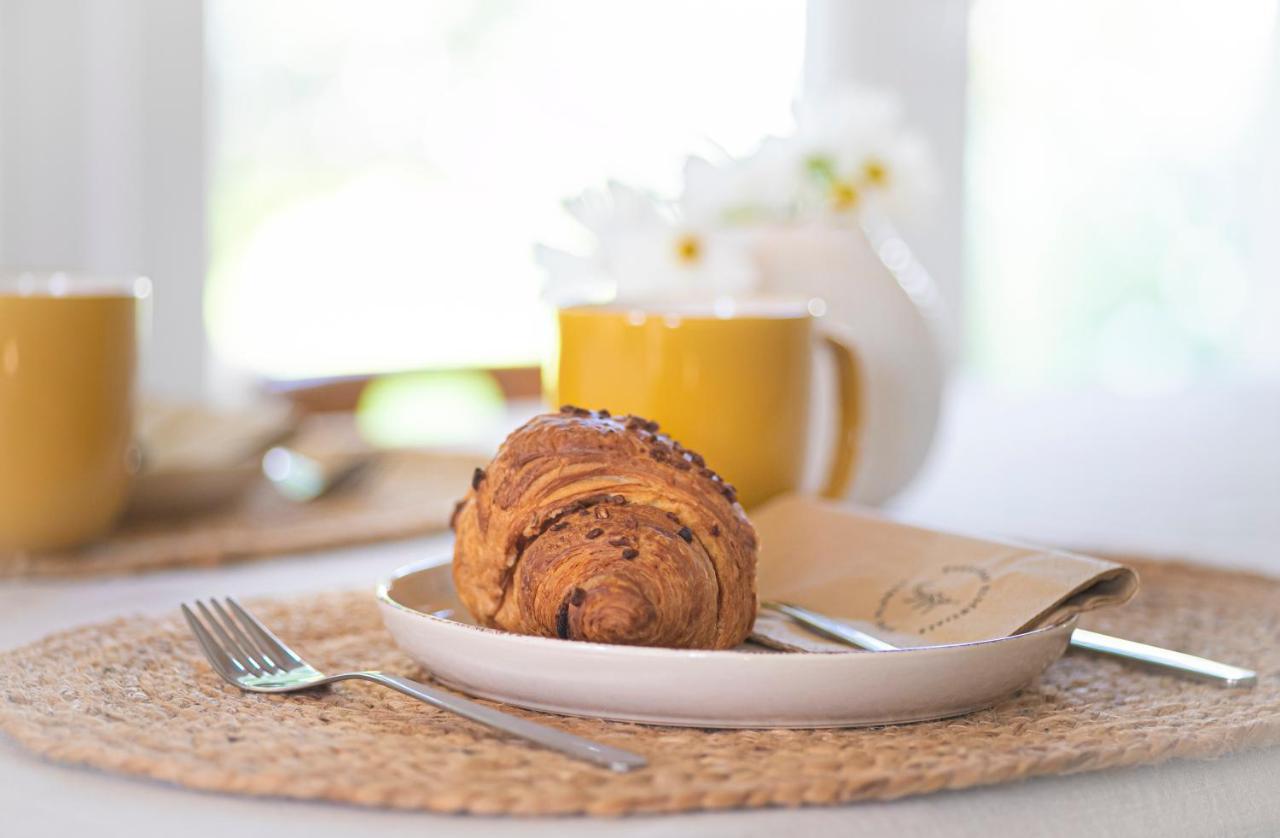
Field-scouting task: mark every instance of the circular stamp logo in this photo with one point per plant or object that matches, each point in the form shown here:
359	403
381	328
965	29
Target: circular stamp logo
924	603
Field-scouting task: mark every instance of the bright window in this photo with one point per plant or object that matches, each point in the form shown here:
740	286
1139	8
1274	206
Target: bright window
1121	188
382	169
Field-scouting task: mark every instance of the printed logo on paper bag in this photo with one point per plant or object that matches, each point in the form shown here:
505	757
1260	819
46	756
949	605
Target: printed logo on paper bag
924	603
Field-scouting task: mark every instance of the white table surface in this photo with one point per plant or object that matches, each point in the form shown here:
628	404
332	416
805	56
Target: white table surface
1195	475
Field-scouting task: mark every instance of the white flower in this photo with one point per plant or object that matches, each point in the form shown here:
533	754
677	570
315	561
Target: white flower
857	152
572	279
900	174
645	251
759	188
848	152
617	208
680	262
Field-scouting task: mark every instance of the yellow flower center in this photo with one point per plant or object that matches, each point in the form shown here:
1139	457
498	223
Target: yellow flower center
875	172
844	195
688	249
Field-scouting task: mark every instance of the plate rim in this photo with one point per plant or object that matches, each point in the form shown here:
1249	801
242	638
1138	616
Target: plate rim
382	592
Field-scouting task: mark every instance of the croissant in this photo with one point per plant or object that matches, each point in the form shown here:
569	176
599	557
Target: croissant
592	527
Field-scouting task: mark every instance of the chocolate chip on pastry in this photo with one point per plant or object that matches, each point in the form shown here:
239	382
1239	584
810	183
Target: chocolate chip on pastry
576	530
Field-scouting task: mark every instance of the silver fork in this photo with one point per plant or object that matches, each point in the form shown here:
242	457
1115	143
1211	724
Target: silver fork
245	652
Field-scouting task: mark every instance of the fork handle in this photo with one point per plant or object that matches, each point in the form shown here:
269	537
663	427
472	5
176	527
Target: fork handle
615	759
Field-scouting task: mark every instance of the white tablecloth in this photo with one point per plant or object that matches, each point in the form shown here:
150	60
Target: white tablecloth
1194	476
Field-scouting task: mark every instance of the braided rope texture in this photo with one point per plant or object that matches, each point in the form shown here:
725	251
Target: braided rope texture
134	696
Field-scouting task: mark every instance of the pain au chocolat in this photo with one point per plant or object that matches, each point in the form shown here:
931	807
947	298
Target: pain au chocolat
593	527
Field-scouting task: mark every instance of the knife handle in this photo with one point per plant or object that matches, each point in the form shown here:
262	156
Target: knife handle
1222	674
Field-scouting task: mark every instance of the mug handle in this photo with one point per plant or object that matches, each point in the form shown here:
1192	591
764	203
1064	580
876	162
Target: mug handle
844	454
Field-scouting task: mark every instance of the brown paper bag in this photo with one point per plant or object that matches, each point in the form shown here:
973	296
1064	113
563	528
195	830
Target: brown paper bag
913	586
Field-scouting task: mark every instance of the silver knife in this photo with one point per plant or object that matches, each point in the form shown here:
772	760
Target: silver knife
1191	666
1222	674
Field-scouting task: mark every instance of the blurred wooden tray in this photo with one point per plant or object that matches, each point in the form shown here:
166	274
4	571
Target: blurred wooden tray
203	508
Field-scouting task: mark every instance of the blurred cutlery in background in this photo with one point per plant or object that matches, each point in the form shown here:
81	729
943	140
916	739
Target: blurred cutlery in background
302	478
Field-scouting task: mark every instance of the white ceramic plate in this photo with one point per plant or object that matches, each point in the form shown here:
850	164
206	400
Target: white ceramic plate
749	688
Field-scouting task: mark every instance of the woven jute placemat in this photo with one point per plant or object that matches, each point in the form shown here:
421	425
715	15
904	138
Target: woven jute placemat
406	493
134	696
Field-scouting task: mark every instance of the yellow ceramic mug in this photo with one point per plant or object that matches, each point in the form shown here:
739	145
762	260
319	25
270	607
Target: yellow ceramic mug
67	357
730	381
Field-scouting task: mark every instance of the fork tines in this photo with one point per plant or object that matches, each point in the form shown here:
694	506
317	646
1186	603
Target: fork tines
240	645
